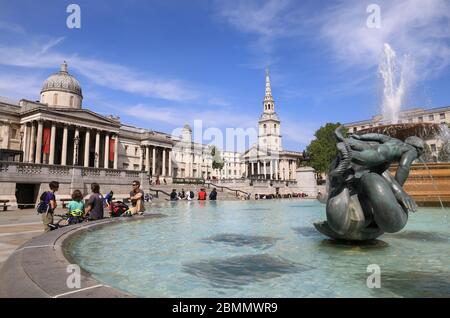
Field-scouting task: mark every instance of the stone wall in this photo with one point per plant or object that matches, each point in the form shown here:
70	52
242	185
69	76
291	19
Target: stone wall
69	178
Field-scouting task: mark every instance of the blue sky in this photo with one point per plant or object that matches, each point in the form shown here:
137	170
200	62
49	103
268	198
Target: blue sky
161	64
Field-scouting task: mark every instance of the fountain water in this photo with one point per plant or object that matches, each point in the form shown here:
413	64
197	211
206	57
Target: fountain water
394	84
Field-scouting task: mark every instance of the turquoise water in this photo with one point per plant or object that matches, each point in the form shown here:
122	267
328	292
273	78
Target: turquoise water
263	249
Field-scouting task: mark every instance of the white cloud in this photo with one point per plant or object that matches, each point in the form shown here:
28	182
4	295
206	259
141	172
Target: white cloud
109	75
12	27
20	86
180	115
418	28
267	20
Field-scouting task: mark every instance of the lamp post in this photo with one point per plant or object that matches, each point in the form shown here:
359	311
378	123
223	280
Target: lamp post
77	142
21	144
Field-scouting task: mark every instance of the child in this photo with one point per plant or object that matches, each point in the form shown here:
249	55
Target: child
76	206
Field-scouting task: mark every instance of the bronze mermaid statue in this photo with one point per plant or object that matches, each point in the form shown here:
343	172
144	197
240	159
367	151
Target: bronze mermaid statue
364	199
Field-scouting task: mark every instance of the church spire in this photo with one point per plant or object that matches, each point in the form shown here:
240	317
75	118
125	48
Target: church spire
268	89
269	105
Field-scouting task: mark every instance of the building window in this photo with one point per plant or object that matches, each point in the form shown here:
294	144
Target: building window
55	99
71	101
431	117
362	127
354	129
13	133
264	128
410	120
433	147
136	151
135	167
420	119
126	149
125	166
442	116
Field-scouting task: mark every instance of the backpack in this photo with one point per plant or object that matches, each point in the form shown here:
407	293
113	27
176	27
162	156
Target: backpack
191	195
118	208
42	207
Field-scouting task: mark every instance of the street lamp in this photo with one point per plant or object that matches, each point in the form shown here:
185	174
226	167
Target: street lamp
77	142
21	145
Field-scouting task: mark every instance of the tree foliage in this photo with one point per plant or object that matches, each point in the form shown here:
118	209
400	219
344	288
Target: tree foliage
217	160
322	150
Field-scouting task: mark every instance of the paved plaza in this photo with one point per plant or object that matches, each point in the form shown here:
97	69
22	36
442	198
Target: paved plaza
17	227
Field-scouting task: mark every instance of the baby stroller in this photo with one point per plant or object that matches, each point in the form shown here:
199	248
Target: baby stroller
118	208
70	218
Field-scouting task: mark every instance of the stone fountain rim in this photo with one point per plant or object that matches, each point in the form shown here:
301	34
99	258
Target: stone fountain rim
38	268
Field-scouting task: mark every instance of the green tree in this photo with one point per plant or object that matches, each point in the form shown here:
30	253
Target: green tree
322	150
217	160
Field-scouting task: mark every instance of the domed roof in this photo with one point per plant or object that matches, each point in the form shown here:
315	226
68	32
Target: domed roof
62	81
187	127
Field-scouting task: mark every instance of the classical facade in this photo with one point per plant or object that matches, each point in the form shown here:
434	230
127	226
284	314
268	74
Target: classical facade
56	138
267	159
440	115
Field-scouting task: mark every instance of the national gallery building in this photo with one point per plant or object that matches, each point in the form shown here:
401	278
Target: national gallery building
57	139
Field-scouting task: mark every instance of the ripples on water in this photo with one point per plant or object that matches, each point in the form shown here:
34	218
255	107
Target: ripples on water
261	242
242	270
422	236
267	248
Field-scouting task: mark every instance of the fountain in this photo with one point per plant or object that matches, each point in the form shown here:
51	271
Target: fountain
394	87
428	183
366	192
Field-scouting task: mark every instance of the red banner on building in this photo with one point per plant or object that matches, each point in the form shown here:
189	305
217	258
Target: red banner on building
112	143
46	140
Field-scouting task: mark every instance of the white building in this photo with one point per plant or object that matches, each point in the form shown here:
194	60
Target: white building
440	115
267	159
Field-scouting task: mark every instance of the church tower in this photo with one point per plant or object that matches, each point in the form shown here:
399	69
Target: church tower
269	136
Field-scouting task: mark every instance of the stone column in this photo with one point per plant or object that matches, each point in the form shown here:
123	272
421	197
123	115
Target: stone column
163	161
141	159
253	168
264	169
147	158
97	150
51	159
191	166
106	163
76	146
64	146
32	148
24	142
86	147
276	169
258	168
271	169
39	142
170	163
116	152
154	161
